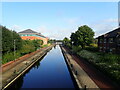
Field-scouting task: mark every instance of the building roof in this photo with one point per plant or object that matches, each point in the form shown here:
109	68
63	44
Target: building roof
29	31
113	33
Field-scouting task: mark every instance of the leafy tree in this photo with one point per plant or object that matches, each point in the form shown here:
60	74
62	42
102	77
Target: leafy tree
17	40
37	43
83	36
9	38
67	42
74	39
51	41
7	43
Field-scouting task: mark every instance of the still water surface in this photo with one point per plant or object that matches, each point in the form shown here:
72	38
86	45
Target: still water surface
50	72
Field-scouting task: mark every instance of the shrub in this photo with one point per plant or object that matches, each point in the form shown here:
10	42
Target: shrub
107	63
92	57
10	57
76	49
93	49
110	58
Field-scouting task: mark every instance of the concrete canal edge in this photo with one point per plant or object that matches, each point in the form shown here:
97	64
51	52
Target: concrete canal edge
70	69
81	77
28	67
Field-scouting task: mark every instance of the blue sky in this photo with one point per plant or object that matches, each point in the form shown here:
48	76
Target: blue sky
59	19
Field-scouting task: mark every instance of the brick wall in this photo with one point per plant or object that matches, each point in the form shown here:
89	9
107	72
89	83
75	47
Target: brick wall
45	40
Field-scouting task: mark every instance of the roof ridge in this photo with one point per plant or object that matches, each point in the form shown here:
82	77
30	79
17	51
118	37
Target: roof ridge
28	31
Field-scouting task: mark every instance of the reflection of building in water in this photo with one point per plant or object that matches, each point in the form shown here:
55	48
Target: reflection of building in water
32	35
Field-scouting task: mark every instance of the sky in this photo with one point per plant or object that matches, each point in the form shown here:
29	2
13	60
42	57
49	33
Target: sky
57	20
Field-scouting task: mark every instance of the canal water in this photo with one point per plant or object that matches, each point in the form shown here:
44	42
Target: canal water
49	72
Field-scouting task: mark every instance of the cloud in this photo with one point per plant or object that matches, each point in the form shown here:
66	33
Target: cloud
72	21
16	28
42	29
111	20
55	32
104	26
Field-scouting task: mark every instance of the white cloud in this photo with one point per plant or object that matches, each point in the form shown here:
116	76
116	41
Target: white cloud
111	20
55	32
104	26
42	29
17	28
72	21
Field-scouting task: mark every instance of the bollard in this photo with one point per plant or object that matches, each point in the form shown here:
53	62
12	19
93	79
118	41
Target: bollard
71	65
85	87
14	71
26	63
76	73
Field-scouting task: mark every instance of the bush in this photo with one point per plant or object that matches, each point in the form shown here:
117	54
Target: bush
93	49
92	57
76	49
10	57
107	63
110	58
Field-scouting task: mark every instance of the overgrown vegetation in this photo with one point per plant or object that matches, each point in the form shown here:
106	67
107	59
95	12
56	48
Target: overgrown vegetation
106	62
14	47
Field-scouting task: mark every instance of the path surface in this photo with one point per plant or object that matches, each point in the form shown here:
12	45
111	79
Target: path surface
101	80
82	77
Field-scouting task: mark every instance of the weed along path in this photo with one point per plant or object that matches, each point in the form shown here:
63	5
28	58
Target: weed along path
50	71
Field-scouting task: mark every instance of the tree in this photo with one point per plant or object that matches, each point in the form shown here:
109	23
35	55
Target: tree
18	40
37	43
83	36
74	39
8	38
66	42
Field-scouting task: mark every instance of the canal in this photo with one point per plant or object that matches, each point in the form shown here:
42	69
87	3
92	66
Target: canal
49	72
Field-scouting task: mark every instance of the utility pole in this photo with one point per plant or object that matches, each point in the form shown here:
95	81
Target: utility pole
14	49
72	47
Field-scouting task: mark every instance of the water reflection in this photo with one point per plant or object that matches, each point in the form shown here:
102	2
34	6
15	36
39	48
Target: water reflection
55	47
49	72
19	82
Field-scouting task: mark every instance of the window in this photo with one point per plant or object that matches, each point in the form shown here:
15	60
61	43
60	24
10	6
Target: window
118	40
22	35
110	50
110	40
104	40
101	40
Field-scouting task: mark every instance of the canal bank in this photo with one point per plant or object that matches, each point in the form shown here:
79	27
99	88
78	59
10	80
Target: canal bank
49	72
17	68
82	78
